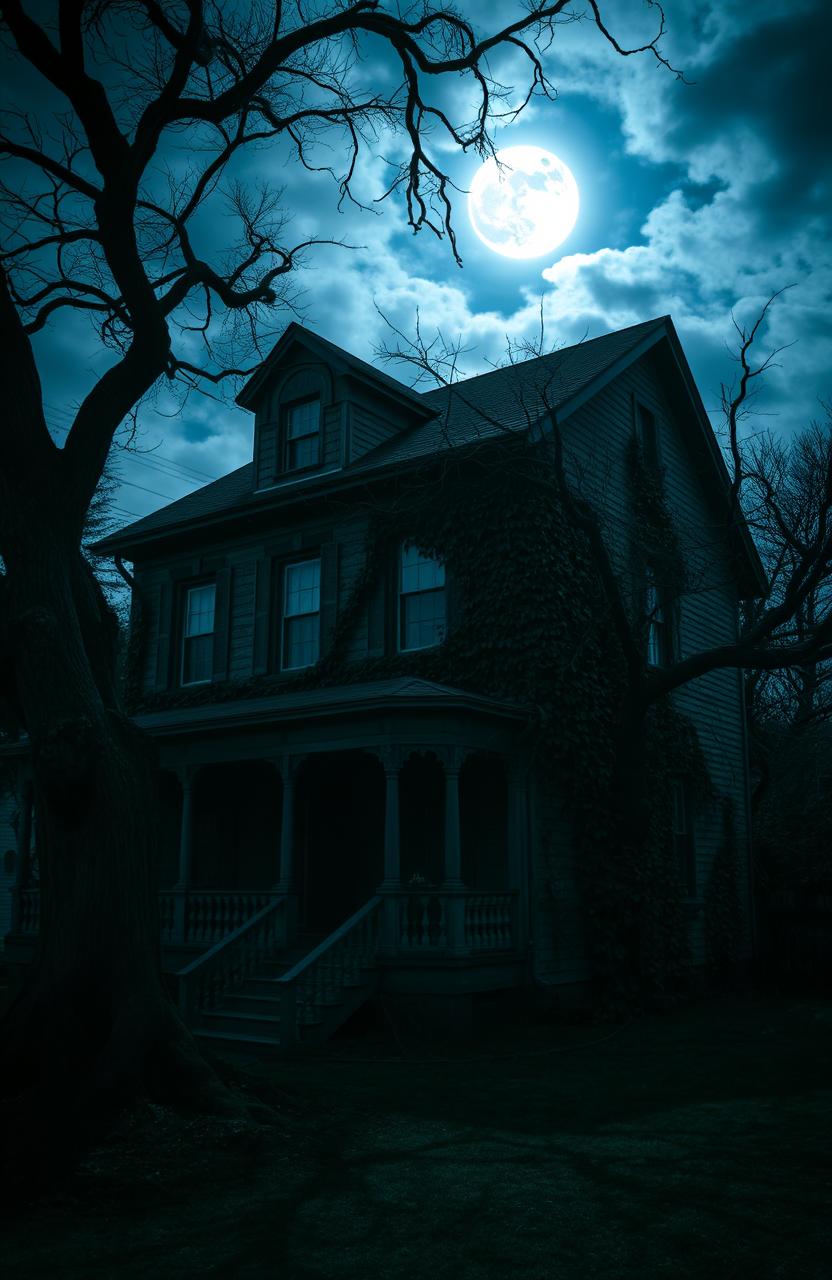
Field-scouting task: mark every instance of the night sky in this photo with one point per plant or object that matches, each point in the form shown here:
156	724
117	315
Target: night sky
697	199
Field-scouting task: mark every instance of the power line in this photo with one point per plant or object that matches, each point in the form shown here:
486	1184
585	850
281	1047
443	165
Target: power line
154	464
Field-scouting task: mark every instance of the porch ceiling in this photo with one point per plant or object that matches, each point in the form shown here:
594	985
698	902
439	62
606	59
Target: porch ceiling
402	694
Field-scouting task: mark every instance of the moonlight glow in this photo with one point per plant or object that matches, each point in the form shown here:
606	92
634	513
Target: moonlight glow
525	206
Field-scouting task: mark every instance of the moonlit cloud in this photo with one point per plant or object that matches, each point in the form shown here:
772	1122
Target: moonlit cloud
698	199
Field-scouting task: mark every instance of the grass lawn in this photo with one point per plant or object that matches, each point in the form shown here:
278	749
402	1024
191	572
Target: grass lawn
696	1144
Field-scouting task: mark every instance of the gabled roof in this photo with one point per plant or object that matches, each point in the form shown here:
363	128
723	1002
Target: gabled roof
324	349
453	417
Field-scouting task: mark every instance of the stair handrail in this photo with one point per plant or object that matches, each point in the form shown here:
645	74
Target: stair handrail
230	960
302	988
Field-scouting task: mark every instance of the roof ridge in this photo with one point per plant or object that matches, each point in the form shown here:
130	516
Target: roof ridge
559	351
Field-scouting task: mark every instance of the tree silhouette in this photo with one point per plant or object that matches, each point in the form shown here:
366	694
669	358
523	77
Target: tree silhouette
101	221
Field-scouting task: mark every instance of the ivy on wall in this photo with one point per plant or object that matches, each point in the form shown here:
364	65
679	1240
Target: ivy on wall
530	624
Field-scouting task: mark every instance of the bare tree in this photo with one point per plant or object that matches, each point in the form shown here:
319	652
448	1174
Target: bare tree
100	218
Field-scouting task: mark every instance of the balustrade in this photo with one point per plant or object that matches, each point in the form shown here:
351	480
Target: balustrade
425	919
194	916
322	978
29	910
233	959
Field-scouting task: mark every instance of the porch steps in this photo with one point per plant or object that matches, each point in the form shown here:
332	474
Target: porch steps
251	1015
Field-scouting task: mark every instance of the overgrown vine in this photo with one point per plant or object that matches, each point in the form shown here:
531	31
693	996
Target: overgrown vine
531	625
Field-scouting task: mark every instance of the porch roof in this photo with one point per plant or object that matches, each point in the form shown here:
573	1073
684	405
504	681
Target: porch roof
402	693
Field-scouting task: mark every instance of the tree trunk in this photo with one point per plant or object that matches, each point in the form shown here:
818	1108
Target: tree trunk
93	1026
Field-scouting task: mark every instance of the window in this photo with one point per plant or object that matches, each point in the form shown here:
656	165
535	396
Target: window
421	600
684	850
648	435
302	435
661	619
198	634
301	632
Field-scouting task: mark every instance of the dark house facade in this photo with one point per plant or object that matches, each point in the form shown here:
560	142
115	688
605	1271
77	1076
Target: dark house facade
337	816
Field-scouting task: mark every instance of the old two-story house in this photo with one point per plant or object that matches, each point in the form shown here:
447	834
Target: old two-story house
337	817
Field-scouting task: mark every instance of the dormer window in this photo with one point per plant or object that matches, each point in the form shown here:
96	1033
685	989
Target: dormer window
302	435
421	600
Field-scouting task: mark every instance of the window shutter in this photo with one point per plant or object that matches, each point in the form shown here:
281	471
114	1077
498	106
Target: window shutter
262	616
329	593
222	610
453	608
164	639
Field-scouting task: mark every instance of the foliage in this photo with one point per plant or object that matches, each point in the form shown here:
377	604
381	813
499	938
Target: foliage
529	623
723	913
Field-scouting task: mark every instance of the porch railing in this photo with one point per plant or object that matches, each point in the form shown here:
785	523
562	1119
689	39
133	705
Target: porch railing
200	917
204	916
227	964
431	921
327	985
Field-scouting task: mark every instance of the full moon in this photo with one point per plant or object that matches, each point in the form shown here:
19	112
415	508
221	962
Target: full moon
524	206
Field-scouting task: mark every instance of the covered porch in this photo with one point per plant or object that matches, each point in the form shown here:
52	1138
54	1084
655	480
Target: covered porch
382	826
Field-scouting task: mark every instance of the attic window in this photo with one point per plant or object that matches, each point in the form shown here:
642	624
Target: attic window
302	435
648	435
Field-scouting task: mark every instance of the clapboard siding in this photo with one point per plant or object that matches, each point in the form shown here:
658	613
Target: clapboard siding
368	429
596	439
241	640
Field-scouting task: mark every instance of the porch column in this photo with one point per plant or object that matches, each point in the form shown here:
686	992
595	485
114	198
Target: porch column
24	850
453	843
183	883
391	884
453	888
519	852
288	771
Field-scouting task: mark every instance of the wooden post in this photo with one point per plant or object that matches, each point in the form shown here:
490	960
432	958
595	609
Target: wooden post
183	884
391	885
518	851
452	885
288	770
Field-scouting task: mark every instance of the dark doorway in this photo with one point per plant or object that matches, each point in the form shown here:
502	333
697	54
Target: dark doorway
237	810
483	816
422	814
339	854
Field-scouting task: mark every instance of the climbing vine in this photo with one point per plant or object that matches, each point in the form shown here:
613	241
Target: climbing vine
530	623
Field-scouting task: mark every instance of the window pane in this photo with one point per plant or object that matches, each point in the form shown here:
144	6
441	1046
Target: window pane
300	645
420	572
648	433
198	659
303	588
423	619
303	419
302	453
199	618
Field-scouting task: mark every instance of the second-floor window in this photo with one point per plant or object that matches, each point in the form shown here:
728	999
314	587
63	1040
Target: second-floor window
660	617
301	624
198	634
302	445
421	600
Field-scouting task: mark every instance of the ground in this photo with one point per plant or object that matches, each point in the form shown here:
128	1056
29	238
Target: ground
688	1145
